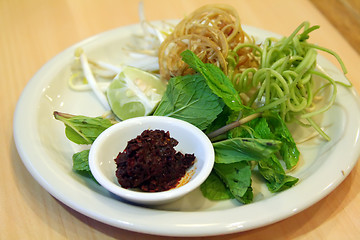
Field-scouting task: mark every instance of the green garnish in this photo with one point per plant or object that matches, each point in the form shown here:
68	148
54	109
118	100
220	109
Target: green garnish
82	129
190	99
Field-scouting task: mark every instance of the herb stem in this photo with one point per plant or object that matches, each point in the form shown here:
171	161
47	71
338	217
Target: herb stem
232	125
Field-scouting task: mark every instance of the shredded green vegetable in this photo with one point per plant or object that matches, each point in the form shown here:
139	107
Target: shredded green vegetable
284	80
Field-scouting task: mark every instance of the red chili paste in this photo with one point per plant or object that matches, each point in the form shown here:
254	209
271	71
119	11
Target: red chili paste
151	163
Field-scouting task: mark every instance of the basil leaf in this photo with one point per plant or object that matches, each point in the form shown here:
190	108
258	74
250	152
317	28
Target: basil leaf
82	129
244	149
218	82
237	177
215	189
189	98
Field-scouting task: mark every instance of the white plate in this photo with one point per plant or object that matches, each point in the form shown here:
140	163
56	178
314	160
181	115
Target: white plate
47	154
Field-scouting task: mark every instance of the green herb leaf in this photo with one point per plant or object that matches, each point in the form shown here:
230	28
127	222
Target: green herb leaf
82	129
81	164
272	171
218	82
244	149
271	126
289	151
189	98
237	177
215	189
81	161
218	123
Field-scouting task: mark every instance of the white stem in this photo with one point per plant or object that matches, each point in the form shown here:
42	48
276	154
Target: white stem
147	27
107	66
92	82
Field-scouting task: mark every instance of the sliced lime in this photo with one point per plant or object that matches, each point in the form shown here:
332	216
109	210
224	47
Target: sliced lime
134	93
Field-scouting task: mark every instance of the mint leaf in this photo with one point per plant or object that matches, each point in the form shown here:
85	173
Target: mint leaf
271	126
81	164
81	161
237	177
276	178
289	151
190	99
215	189
244	149
248	196
218	82
218	123
82	129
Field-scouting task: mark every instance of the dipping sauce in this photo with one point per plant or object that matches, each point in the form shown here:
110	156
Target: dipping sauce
151	163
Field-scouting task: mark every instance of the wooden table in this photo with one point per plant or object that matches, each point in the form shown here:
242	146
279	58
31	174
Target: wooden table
34	31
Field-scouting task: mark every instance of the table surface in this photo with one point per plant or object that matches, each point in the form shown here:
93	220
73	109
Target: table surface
34	31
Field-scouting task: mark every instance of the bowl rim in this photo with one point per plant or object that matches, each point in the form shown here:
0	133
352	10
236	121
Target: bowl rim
152	197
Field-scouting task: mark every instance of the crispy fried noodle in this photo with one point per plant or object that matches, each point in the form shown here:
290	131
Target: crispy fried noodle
210	32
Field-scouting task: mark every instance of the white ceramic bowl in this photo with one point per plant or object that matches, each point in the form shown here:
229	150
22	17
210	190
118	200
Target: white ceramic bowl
114	140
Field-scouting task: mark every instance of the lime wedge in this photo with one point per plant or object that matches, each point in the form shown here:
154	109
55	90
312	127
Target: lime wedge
134	93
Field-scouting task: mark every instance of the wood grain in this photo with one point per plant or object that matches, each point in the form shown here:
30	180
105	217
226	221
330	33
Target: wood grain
345	16
33	32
